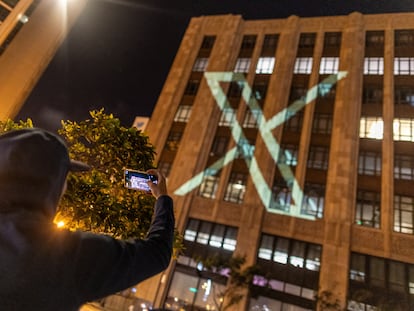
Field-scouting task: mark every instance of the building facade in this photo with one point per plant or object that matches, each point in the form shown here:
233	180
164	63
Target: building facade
30	33
290	143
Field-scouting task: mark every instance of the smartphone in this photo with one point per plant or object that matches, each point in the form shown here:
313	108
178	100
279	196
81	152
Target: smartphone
138	180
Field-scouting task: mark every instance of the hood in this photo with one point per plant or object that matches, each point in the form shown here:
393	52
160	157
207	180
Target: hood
34	164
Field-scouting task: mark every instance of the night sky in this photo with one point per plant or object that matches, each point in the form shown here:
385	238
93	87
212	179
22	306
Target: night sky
119	52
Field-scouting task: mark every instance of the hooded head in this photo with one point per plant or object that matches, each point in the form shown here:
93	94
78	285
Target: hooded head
34	164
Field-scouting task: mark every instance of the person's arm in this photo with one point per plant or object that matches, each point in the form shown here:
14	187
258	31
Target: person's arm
105	265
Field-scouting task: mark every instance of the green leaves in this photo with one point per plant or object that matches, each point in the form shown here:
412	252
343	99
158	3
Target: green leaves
97	200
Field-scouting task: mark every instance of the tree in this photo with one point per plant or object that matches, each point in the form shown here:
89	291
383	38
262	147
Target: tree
240	278
97	200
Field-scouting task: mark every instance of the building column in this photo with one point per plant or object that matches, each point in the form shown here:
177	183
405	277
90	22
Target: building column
342	176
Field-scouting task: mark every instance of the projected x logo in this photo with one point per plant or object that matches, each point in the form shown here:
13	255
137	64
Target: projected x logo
246	150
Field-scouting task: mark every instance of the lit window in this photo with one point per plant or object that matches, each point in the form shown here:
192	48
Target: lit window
173	140
252	118
329	65
281	196
313	200
183	113
371	127
288	154
368	209
227	117
230	239
403	129
216	239
236	188
203	235
403	214
404	167
404	65
322	123
242	65
266	247
303	65
209	186
200	64
191	230
318	157
265	65
373	66
369	163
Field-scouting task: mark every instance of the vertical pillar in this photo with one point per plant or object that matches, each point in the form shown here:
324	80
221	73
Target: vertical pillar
341	183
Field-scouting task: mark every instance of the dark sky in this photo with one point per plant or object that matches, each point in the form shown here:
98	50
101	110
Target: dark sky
118	54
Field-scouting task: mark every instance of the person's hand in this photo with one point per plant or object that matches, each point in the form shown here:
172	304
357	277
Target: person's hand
160	188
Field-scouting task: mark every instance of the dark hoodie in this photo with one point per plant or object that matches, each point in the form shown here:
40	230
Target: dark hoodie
43	268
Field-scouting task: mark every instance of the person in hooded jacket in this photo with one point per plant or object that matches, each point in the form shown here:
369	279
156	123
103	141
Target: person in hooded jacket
42	268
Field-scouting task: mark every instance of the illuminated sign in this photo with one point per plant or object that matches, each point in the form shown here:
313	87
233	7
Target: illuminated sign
245	150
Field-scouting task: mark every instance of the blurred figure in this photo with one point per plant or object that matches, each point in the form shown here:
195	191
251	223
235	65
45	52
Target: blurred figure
43	268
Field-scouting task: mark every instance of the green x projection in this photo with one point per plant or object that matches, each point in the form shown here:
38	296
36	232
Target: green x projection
245	150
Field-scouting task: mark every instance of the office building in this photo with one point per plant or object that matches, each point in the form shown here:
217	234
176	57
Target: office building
291	142
30	33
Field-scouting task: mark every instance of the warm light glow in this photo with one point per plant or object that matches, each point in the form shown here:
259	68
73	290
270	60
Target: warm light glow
60	224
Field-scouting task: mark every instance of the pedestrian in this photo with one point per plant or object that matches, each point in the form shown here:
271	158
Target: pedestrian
43	268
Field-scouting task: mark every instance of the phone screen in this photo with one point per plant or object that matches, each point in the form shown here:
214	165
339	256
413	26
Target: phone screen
138	180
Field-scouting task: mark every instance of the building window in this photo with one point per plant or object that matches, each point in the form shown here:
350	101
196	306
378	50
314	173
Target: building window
208	42
372	94
281	196
288	154
196	292
259	90
183	113
404	95
270	44
292	268
329	65
318	157
200	64
227	117
242	65
404	66
236	188
303	65
173	140
404	214
294	123
252	118
248	42
322	123
403	129
235	90
332	39
287	251
368	209
373	66
404	38
192	87
371	127
382	280
208	187
404	167
307	40
212	234
297	92
219	146
313	200
369	163
374	38
265	65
